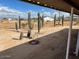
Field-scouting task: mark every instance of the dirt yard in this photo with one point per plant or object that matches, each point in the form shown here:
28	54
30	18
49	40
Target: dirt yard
52	44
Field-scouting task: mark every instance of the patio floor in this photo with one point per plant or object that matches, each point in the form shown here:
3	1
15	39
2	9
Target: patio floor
51	46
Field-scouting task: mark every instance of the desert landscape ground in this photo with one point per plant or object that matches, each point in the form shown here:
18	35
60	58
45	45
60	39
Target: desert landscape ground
52	41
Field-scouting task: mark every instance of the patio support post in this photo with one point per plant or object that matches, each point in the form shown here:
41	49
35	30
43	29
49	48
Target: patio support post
77	45
69	33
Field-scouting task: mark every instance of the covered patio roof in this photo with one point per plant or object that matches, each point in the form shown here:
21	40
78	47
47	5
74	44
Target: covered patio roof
62	5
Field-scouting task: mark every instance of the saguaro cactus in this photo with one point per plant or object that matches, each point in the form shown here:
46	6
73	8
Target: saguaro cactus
42	20
59	18
62	20
19	21
39	23
29	25
16	26
29	20
55	20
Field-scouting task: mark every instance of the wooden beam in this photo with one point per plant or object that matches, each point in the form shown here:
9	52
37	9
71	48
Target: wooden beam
74	4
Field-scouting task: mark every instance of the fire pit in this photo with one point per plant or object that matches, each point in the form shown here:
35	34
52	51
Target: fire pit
34	42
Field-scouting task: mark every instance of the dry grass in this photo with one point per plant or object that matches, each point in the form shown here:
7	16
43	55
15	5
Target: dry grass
24	25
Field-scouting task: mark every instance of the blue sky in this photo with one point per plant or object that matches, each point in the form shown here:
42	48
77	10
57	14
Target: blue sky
23	7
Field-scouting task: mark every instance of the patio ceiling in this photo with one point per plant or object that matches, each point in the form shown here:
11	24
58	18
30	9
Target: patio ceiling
74	3
62	5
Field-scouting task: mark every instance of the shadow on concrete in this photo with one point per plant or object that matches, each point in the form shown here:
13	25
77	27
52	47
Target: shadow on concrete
52	46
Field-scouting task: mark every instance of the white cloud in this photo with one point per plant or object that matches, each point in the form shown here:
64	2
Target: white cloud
6	11
33	13
9	11
61	13
47	13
